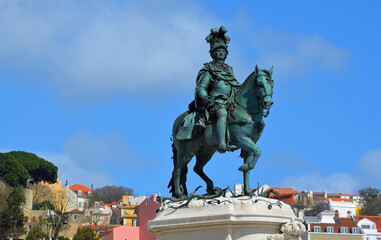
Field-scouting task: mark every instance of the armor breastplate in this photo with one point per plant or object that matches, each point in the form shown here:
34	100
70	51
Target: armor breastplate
222	87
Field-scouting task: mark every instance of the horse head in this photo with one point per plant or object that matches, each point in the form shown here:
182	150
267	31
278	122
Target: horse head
264	87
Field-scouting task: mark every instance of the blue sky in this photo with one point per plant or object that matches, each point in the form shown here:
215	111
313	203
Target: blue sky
94	87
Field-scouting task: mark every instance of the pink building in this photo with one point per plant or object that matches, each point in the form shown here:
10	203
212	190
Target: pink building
145	211
122	233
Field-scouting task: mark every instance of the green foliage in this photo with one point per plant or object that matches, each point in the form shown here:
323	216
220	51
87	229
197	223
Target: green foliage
38	168
12	218
11	171
43	205
62	238
85	234
372	201
36	233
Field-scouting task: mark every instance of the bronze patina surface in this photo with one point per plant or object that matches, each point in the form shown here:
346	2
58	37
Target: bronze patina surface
225	116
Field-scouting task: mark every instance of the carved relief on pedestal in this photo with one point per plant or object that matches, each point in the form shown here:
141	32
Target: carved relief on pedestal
290	231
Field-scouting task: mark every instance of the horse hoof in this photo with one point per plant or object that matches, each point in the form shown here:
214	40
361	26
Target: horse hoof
243	168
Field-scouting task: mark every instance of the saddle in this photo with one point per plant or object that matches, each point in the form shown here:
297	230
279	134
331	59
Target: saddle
195	123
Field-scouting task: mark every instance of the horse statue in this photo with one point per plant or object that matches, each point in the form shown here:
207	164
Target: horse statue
253	101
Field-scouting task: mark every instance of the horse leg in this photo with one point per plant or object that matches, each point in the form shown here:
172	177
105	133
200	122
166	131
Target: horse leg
254	151
250	153
182	162
201	160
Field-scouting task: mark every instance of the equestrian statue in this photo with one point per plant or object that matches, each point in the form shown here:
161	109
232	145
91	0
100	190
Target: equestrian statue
224	116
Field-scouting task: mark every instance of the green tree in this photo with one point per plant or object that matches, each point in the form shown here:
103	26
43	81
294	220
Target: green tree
85	234
38	168
36	233
11	171
372	201
109	194
317	207
12	218
43	205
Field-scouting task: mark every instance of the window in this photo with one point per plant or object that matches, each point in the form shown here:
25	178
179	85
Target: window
317	229
75	216
134	238
147	202
125	212
98	217
53	187
80	204
330	229
134	222
79	192
126	239
344	230
85	205
379	238
89	194
355	230
365	226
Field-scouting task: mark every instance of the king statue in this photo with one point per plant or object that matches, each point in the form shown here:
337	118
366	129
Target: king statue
216	86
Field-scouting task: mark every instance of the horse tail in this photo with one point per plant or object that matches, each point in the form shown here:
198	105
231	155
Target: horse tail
174	157
183	177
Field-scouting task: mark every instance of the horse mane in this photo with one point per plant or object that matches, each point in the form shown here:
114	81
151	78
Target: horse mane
244	84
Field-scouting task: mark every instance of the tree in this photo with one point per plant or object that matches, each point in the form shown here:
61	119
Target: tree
109	194
372	201
41	192
56	220
85	234
11	171
12	218
38	168
317	207
36	233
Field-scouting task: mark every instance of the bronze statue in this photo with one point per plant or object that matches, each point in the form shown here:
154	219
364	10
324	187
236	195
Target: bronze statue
225	116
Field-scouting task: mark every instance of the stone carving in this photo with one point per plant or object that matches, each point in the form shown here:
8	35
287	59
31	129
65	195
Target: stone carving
290	231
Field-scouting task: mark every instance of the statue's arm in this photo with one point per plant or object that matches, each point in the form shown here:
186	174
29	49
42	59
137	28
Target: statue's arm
203	85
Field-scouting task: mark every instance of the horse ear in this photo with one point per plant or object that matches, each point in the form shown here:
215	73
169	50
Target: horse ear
271	70
256	68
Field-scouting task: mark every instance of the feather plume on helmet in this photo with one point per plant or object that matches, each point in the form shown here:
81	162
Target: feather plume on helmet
217	38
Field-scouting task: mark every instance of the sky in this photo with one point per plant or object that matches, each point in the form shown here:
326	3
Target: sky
95	86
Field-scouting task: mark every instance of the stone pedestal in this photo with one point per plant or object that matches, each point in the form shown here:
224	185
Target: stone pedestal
227	218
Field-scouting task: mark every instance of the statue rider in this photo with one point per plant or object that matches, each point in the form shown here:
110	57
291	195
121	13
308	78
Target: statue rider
216	86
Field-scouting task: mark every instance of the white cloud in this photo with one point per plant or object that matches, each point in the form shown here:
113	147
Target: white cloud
88	159
77	172
369	165
336	182
96	50
296	56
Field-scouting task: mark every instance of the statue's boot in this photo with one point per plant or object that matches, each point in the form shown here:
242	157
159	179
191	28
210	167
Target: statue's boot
221	132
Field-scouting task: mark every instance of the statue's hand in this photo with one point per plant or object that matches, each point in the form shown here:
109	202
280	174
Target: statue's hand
206	101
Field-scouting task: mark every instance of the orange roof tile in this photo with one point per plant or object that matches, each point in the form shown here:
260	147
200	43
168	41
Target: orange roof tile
285	191
375	219
339	222
82	188
333	199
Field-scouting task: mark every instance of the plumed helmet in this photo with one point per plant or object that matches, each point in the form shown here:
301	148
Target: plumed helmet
217	38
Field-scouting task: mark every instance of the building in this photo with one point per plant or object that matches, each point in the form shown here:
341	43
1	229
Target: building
340	201
134	213
371	226
122	232
84	195
328	225
147	211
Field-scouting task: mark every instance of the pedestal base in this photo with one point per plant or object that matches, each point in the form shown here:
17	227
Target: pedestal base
227	218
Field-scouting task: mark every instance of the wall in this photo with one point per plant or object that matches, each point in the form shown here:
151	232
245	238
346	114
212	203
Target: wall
146	213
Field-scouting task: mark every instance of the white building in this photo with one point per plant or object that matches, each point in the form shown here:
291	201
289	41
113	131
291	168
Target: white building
371	226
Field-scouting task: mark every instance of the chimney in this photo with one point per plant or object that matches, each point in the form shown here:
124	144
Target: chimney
67	183
92	187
